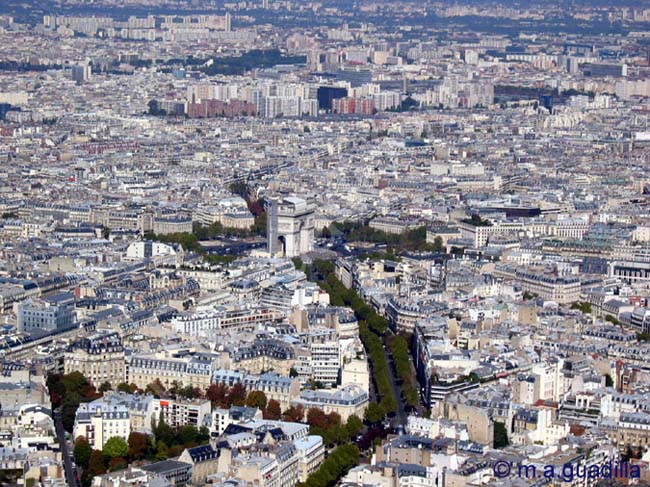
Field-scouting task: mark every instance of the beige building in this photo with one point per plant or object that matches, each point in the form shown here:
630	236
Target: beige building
311	453
632	429
280	388
99	357
262	356
205	461
98	424
347	401
550	287
165	226
193	370
280	467
479	423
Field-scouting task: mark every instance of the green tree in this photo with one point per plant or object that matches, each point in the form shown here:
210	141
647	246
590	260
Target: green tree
203	435
259	225
115	447
500	435
156	389
187	392
353	426
187	435
82	451
106	386
124	387
67	391
411	395
609	382
240	189
69	410
162	451
163	432
374	413
582	306
643	337
256	399
438	244
337	464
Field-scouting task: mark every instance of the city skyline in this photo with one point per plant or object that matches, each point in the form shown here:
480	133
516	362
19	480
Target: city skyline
272	243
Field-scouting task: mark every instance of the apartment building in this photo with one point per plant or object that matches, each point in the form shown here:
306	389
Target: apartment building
166	226
629	271
326	362
550	286
99	357
222	418
238	319
262	355
631	429
311	453
181	412
193	370
50	313
347	401
98	422
280	388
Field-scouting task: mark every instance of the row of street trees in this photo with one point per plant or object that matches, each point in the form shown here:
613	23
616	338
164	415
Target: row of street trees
372	331
337	464
399	347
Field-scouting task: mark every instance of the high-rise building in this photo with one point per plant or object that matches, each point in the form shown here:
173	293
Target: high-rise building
603	70
290	226
326	94
81	73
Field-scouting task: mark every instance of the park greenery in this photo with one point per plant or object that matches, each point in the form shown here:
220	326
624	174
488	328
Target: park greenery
227	65
582	306
612	320
477	221
412	240
255	59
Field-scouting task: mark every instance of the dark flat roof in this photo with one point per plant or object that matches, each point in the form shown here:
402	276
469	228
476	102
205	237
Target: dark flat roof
166	466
